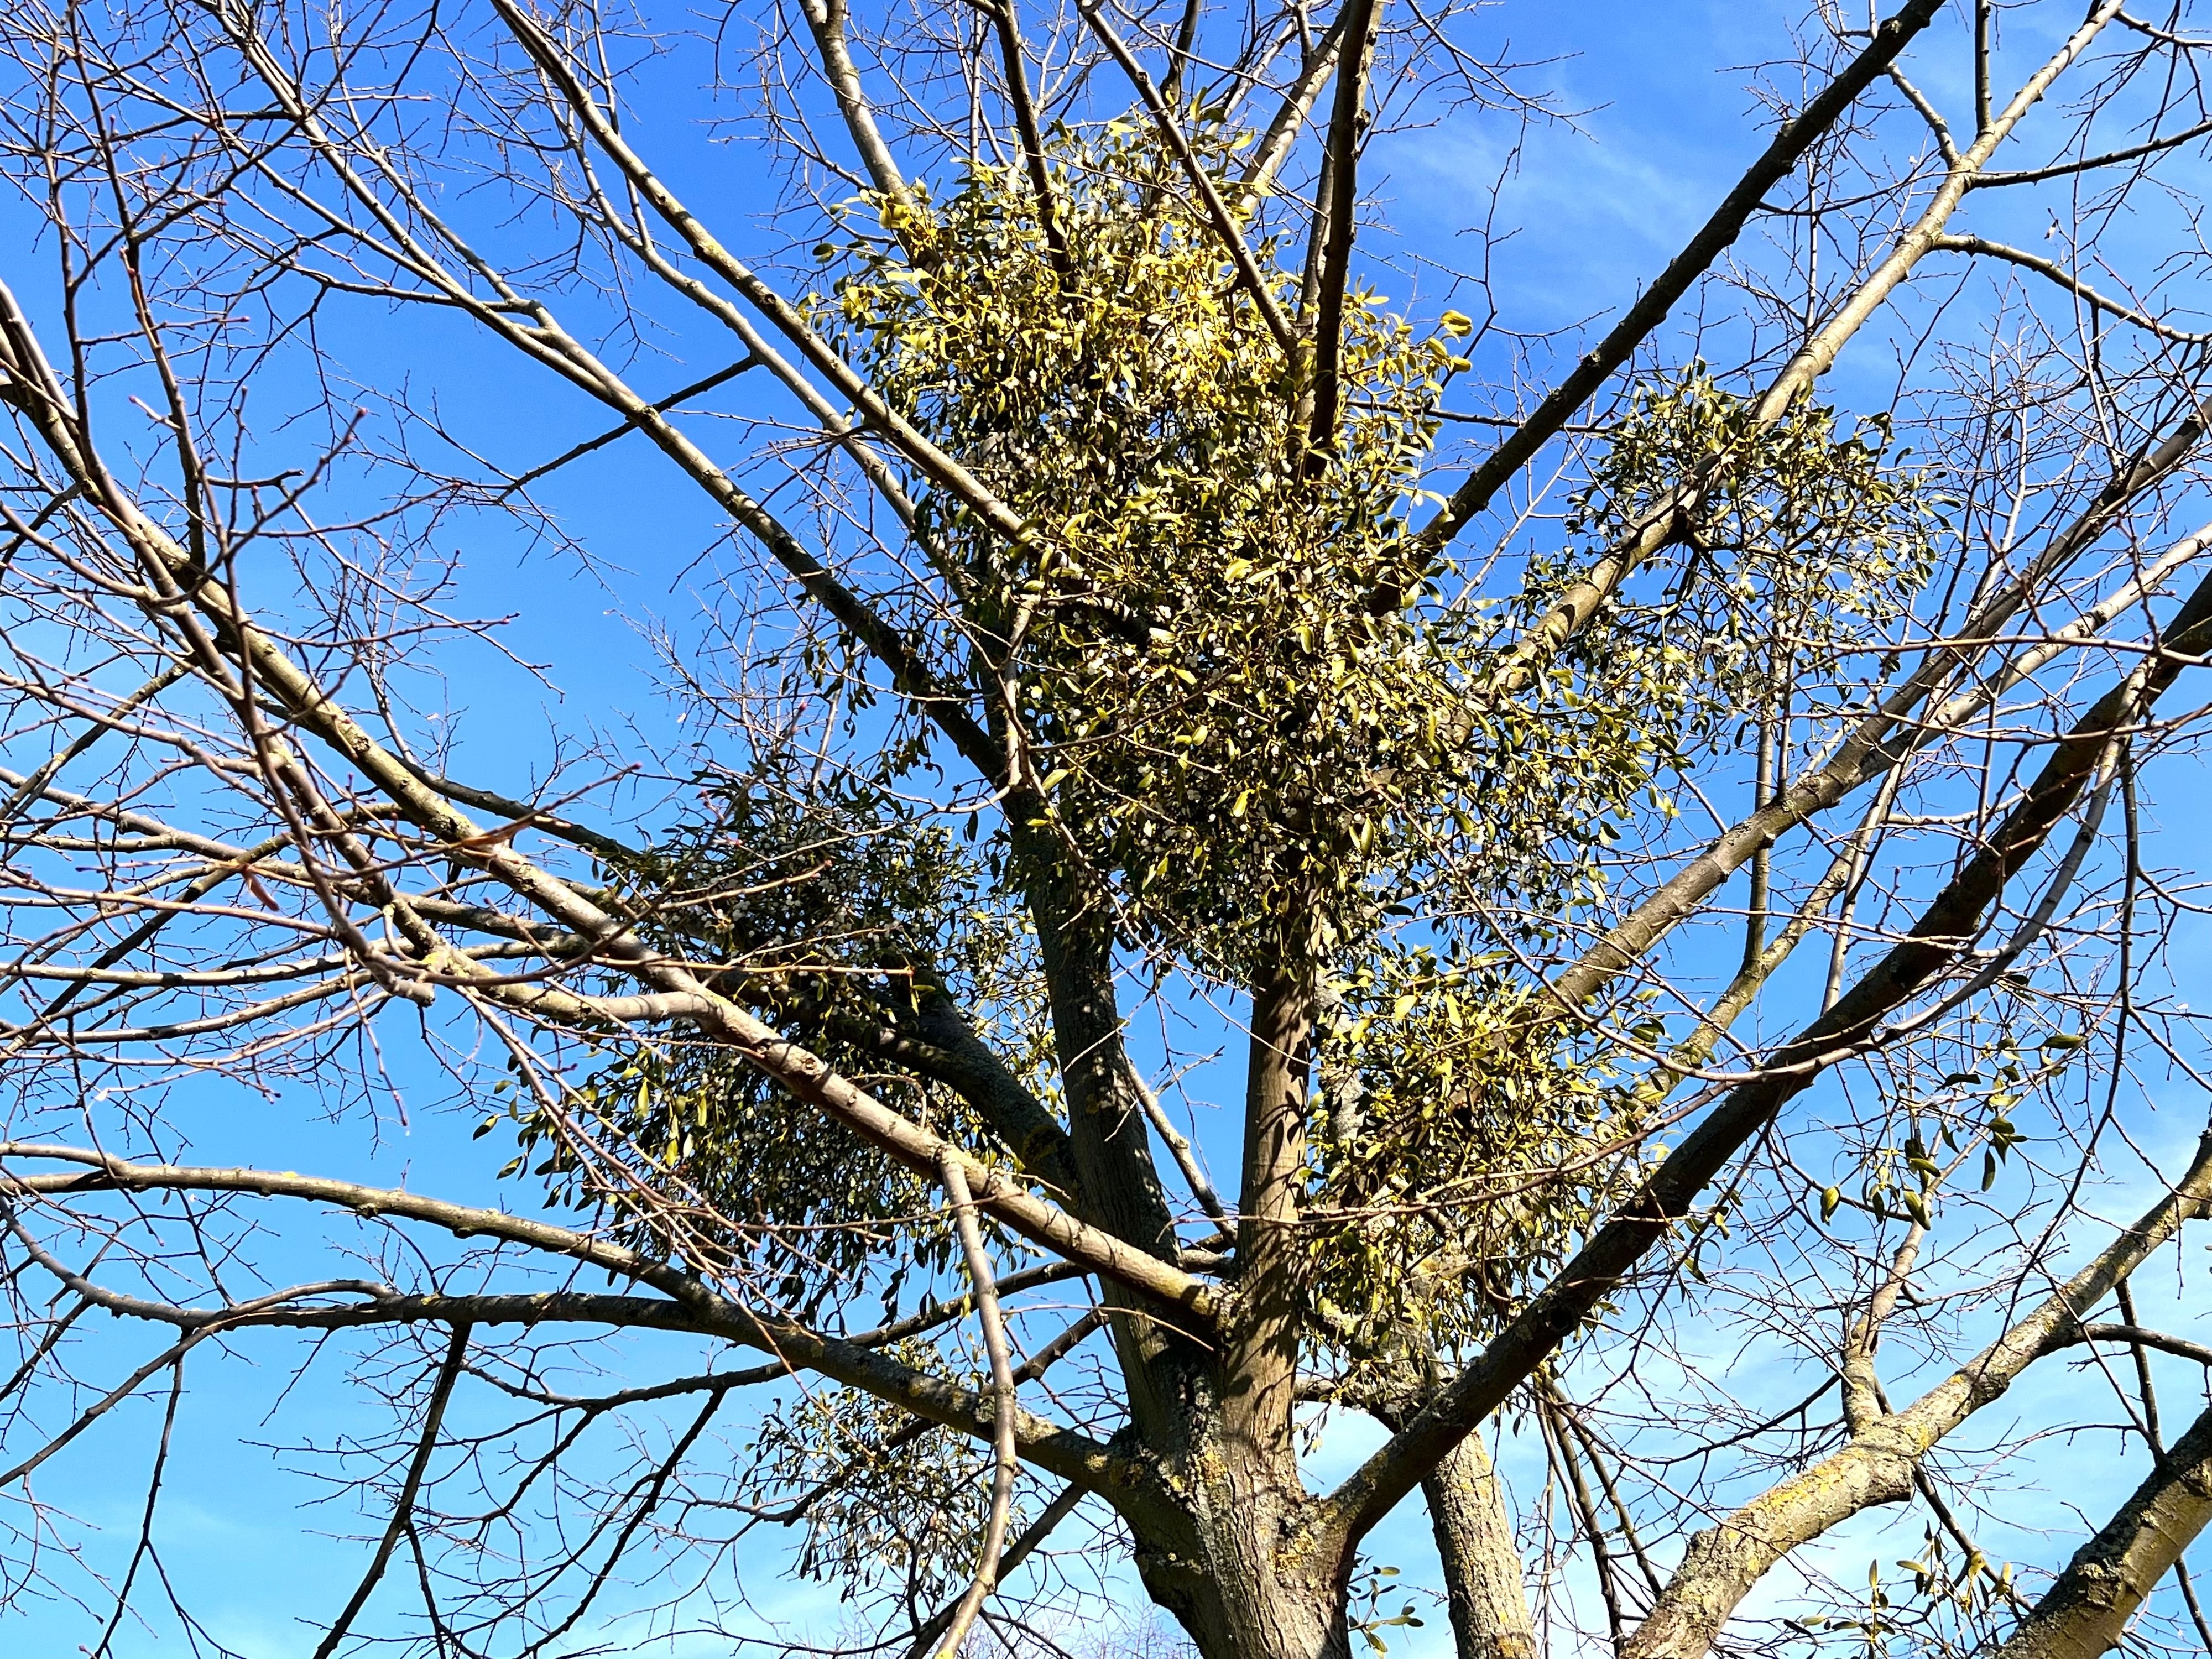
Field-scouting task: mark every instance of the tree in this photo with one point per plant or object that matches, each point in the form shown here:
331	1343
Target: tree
1101	625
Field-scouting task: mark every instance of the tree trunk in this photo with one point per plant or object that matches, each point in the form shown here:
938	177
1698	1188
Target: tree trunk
1257	1578
1481	1559
1245	1584
1258	1392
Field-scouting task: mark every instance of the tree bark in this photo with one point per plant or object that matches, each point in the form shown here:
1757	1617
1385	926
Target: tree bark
2088	1610
1258	1365
1474	1526
1255	1578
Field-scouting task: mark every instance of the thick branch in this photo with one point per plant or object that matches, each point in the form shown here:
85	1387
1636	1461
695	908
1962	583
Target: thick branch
826	19
1347	130
1933	944
1481	1559
1713	238
2087	1611
1282	133
1007	24
1263	1338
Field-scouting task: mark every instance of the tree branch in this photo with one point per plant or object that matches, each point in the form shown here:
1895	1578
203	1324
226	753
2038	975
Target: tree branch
1249	274
2110	158
786	317
1879	1463
1877	746
1004	1465
403	1508
1666	1197
1347	130
801	1072
1662	526
2066	279
1282	133
2088	1610
1713	238
693	1306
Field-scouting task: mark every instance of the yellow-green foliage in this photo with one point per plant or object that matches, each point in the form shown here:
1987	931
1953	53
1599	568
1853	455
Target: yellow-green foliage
1808	542
1222	712
830	910
1459	1147
1242	741
896	1503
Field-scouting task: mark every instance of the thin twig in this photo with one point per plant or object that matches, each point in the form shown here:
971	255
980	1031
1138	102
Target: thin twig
404	1509
1004	1463
1179	1147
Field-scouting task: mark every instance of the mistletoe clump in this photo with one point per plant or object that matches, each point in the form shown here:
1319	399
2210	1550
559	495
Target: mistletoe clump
1219	710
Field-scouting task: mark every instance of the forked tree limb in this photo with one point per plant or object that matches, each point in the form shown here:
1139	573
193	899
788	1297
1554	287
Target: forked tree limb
1884	740
1879	1463
1667	1195
781	313
403	1507
802	1074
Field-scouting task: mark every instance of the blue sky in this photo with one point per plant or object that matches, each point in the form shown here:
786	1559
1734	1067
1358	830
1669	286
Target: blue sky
1662	124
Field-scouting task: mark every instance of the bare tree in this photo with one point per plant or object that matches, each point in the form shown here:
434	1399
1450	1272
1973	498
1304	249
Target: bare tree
1108	608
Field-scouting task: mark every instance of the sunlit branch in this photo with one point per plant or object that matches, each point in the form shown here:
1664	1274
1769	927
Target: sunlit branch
1275	144
1253	281
2066	279
1004	1464
1780	159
